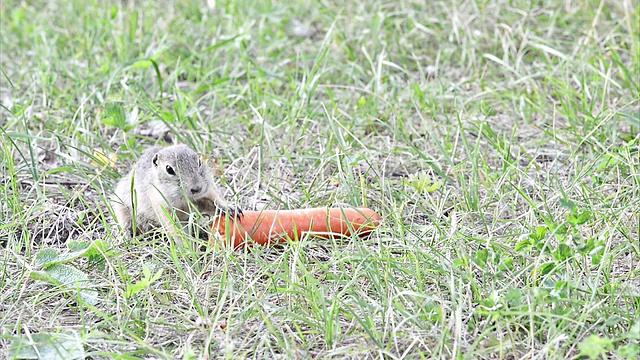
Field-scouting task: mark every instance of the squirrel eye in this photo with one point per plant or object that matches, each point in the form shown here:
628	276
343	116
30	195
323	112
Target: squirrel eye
170	170
199	161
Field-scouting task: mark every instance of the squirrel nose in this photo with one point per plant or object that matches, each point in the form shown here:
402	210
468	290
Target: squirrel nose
196	189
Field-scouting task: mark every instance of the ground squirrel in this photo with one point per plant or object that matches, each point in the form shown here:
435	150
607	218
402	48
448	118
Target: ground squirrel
163	181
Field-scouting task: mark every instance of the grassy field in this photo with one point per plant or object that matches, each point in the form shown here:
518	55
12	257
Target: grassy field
499	140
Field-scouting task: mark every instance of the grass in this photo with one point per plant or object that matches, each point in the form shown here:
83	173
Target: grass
499	141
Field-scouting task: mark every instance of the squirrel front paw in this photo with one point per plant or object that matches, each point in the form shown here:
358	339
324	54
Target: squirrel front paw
234	212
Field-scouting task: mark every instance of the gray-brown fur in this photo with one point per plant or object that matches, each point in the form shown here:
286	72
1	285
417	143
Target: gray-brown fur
165	180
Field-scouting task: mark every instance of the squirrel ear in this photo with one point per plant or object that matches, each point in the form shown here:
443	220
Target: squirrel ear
155	159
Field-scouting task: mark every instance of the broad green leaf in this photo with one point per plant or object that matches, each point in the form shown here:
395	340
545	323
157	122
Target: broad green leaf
157	275
63	346
435	186
423	183
523	244
78	245
596	254
586	247
595	347
579	219
629	351
143	284
563	252
634	331
546	268
89	249
583	217
46	257
458	262
506	264
558	229
146	272
539	234
49	257
609	161
69	278
568	204
135	288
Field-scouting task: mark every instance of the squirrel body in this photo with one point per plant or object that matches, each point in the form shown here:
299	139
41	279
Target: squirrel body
163	181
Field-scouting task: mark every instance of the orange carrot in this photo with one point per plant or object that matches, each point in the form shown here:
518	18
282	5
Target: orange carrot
269	226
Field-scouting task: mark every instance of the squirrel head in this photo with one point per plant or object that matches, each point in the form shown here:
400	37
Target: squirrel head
178	166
